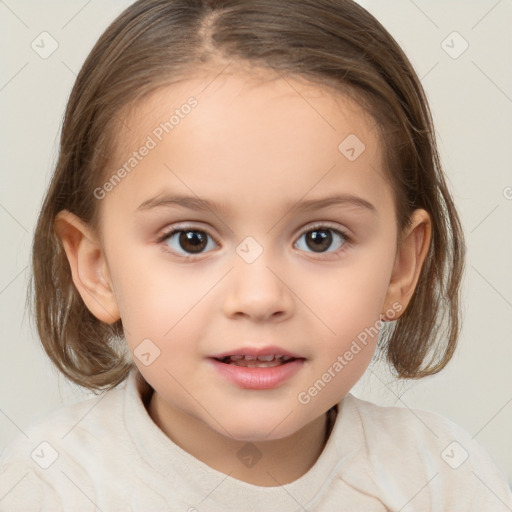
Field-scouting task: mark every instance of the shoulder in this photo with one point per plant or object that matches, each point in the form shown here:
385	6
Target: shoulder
31	465
404	424
430	452
83	417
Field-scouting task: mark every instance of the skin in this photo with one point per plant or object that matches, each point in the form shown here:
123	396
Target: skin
256	144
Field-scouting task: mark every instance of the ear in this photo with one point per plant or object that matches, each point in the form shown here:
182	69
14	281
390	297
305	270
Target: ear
88	266
409	259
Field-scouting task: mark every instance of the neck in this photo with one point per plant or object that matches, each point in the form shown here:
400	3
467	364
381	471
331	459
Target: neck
265	463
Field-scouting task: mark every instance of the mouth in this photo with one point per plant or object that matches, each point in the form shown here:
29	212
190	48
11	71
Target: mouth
267	361
257	357
258	368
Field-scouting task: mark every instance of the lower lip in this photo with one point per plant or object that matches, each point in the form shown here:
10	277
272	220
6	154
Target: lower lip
258	378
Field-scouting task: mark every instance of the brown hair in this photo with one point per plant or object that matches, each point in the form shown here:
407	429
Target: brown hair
335	43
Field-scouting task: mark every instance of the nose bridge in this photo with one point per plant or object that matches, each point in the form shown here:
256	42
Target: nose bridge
256	287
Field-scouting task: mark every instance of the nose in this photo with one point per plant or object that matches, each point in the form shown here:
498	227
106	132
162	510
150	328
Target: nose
257	291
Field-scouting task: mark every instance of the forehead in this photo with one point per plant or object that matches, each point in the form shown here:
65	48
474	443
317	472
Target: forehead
216	134
259	100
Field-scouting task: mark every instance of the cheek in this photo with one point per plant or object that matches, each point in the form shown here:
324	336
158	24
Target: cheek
349	302
159	300
350	298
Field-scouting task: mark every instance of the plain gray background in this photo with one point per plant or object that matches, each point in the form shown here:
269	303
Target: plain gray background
470	94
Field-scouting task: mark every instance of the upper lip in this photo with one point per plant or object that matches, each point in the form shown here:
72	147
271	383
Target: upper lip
257	352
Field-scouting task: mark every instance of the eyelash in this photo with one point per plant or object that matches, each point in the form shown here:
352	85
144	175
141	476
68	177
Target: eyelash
316	227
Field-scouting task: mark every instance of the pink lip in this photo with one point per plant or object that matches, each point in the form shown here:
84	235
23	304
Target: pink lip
256	352
258	378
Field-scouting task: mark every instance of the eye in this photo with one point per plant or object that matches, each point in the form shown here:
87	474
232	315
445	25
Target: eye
188	241
321	238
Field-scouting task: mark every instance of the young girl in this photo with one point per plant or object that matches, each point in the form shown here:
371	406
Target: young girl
248	202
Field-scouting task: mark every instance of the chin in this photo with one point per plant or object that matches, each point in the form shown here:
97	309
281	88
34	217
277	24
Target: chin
252	435
258	427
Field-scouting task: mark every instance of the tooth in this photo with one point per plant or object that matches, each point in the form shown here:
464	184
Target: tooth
286	358
236	358
250	358
266	358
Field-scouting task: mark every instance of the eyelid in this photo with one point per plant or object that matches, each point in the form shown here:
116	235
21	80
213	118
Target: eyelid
326	224
168	231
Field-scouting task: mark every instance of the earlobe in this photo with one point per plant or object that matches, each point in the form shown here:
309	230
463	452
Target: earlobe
88	266
409	260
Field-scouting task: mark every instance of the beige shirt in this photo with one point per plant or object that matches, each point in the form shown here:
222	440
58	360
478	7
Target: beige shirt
106	454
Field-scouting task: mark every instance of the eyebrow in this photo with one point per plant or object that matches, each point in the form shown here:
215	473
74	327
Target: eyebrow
196	203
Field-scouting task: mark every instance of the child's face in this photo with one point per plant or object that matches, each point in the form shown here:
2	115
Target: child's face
261	276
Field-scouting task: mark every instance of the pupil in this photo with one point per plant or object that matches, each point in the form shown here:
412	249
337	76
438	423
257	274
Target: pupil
321	240
193	241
